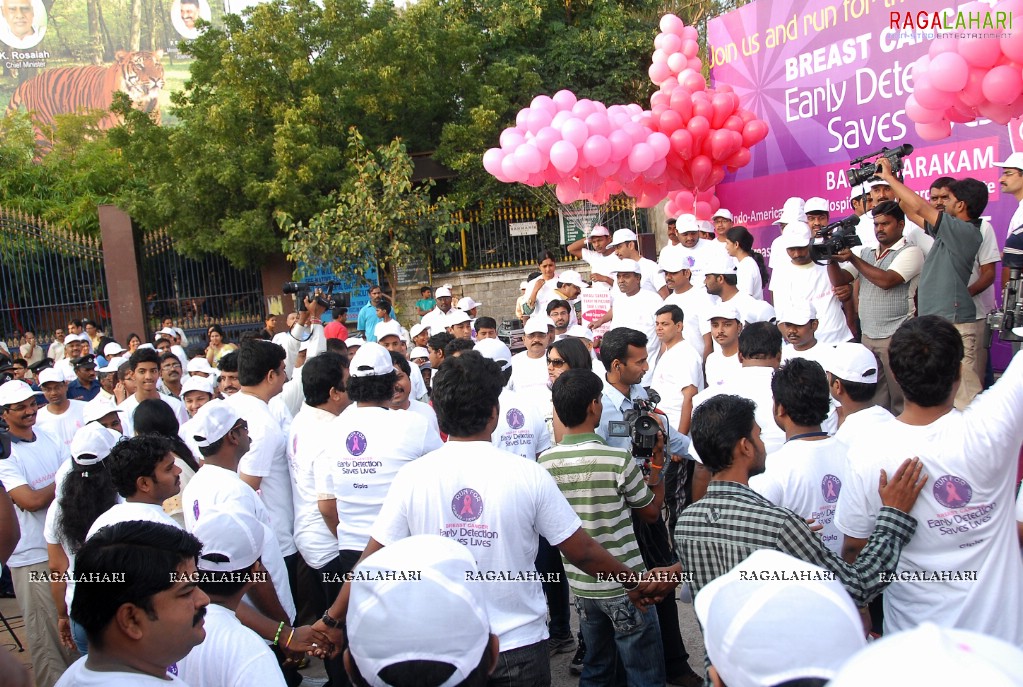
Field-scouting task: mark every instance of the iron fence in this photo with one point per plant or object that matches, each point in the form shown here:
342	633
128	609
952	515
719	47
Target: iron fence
48	276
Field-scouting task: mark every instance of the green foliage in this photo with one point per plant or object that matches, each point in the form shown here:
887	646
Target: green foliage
378	216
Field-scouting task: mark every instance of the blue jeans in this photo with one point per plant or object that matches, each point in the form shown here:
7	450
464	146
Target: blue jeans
614	629
81	641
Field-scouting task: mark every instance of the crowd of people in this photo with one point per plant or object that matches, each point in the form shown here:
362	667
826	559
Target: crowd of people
829	474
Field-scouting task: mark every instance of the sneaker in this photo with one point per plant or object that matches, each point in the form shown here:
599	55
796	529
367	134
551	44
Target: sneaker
576	666
561	646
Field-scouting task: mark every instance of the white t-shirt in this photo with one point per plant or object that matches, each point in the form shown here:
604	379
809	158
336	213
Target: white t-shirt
65	425
521	428
33	464
705	251
544	296
750	282
129	405
750	309
314	540
676	368
419	390
528	374
130	511
600	264
637	312
214	489
436	320
806	477
802	283
368	448
267	459
232	655
80	676
694	304
720	367
817	353
496	504
753	383
425	411
988	254
866	421
964	514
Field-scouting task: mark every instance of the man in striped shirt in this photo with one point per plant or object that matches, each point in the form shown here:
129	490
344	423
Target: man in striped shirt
605	485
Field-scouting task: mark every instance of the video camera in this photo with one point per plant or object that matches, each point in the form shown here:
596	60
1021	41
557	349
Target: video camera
866	170
835	237
326	297
640	425
1010	315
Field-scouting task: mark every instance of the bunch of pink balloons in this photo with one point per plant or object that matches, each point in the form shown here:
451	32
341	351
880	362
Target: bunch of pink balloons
961	79
680	148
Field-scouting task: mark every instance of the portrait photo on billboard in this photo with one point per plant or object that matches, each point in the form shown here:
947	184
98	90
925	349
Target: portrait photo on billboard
184	14
24	23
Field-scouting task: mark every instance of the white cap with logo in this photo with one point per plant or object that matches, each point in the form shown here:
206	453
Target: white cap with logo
197	383
816	204
371	360
538	324
212	422
456	316
232	534
796	312
97	409
384	329
496	350
49	375
15	391
467	303
723	214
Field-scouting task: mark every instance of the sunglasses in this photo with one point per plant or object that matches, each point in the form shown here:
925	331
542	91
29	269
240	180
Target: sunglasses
556	362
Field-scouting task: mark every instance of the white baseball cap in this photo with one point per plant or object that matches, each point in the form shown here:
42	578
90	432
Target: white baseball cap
112	349
166	333
467	303
1014	161
92	443
796	312
456	316
15	391
442	292
523	285
578	331
752	622
932	655
719	264
538	324
724	310
384	329
441	617
676	261
686	224
792	211
114	364
623	236
97	409
875	181
197	383
232	534
796	235
50	375
212	422
354	342
495	349
857	191
419	352
627	265
571	277
371	360
852	362
599	230
722	213
816	204
200	365
418	329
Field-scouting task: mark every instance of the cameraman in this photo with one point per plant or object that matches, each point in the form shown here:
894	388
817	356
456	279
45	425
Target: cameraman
623	351
888	274
944	279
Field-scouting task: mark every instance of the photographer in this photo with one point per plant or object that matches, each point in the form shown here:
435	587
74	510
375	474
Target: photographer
888	276
944	279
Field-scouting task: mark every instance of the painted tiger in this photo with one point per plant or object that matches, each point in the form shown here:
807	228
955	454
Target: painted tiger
65	90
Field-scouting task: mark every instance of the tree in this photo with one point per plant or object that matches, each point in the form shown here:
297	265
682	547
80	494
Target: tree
377	217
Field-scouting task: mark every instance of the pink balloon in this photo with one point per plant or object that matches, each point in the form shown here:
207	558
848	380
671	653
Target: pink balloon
537	119
723	109
669	122
695	63
973	92
545	138
682	102
597	124
492	161
953	71
544	102
934	131
942	45
671	43
552	176
690	48
978	52
528	159
659	56
703	210
926	94
684	200
521	117
584	108
677	62
535	180
699	127
564	99
724	143
669	85
920	114
957	113
733	123
560	119
512	138
692	80
621	144
660	144
567	191
660	98
511	169
589	181
658	72
596	150
690	33
609	168
638	132
997	112
670	209
671	24
717	175
1011	45
682	143
740	159
700	168
564	156
655	170
754	132
641	157
1003	84
575	132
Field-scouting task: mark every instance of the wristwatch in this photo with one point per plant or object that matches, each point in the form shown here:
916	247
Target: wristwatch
331	622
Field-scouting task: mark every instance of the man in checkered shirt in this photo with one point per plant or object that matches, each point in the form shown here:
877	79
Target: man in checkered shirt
732	521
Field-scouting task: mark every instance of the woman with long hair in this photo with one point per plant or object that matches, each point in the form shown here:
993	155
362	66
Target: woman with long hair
153	416
218	346
85	491
752	273
133	343
566	354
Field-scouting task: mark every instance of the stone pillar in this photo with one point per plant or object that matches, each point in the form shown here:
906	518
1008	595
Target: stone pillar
275	271
121	267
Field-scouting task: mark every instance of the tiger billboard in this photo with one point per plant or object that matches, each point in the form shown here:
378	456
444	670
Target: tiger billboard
70	56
